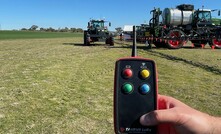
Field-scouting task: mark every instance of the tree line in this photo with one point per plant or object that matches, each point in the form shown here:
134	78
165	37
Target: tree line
50	29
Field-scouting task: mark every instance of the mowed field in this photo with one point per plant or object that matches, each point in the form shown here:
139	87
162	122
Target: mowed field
57	85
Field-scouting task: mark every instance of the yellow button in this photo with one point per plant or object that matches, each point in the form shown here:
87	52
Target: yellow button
145	73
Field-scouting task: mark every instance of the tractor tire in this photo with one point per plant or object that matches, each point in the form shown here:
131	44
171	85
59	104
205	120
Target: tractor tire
111	41
107	41
216	43
175	39
86	39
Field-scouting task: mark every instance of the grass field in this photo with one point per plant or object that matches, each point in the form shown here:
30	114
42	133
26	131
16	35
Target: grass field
57	85
5	35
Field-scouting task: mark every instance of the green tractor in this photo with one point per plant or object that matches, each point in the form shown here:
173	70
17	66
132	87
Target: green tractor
98	32
173	27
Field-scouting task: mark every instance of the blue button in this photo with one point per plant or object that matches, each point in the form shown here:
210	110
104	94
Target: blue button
144	89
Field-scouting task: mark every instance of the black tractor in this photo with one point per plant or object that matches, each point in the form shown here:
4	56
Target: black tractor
98	32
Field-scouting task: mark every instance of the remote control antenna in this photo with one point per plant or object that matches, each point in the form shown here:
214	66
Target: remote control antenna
134	49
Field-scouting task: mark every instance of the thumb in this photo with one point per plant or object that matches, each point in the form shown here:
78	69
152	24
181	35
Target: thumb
159	116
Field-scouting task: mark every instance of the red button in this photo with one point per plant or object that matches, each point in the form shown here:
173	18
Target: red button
127	73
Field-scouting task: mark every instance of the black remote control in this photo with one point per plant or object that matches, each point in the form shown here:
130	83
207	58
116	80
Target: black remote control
135	93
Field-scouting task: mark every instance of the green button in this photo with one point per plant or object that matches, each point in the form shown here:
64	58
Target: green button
127	88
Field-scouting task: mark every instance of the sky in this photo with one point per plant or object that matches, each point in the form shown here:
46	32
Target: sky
17	14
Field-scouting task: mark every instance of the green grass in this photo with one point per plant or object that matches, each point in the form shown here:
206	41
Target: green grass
57	85
216	21
4	35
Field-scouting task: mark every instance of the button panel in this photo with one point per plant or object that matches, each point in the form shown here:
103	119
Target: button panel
142	74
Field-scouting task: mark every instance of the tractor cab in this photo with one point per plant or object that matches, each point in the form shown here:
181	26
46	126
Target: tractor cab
203	18
97	24
204	15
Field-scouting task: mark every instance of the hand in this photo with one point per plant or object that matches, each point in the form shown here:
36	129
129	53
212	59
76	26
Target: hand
175	117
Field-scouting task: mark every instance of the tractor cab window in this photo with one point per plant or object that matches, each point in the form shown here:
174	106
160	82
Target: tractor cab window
204	15
98	24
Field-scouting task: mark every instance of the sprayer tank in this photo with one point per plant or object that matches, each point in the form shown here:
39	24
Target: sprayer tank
177	17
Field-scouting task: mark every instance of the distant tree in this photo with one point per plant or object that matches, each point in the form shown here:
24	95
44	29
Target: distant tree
66	29
80	30
42	29
50	29
24	29
73	29
119	30
62	30
33	27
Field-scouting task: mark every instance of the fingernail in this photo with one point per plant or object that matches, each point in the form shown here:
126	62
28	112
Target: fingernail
145	120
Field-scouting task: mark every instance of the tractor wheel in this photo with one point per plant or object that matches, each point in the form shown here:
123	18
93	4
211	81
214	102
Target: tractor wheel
175	40
86	39
216	43
111	41
107	41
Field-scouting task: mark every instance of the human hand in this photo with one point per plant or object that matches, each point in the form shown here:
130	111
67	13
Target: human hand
175	117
